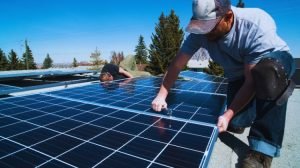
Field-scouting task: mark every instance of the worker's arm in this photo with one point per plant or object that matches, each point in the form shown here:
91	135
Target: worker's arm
125	73
241	99
170	77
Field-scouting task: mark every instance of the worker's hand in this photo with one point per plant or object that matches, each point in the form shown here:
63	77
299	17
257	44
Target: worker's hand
159	103
224	120
222	124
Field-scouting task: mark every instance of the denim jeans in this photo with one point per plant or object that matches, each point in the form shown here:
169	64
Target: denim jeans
267	120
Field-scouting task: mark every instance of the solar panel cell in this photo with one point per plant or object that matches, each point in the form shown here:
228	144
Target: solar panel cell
87	117
16	128
64	125
112	139
131	127
180	157
159	134
4	121
34	136
24	158
121	160
57	145
46	119
86	155
8	147
107	122
143	148
86	132
55	164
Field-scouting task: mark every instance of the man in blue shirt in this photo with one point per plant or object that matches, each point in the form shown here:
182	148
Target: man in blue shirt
258	65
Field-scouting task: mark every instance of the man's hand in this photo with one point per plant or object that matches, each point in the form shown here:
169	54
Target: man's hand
222	124
224	120
159	103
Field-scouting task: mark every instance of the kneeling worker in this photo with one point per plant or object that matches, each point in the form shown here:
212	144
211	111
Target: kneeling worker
258	65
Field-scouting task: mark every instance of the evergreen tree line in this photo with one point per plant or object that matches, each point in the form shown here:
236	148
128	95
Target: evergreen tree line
13	62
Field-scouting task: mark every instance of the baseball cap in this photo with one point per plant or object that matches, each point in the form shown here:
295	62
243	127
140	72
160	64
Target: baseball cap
206	14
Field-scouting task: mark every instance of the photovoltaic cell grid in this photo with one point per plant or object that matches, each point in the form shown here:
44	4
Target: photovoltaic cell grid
46	131
184	105
181	84
108	125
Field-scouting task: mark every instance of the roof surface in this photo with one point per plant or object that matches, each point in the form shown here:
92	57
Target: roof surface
227	150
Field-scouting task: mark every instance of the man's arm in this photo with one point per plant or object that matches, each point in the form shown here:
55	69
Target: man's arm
170	77
125	73
241	99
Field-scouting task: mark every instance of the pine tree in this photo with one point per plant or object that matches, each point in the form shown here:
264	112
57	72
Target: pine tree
48	62
74	64
14	62
165	43
141	51
214	69
240	4
3	61
116	58
95	59
28	60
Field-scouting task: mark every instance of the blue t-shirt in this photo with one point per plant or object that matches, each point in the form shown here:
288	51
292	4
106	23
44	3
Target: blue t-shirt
252	36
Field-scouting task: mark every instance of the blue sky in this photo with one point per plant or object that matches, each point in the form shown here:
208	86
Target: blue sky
74	28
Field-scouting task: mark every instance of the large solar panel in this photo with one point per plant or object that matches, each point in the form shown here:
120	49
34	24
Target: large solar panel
6	89
108	125
5	75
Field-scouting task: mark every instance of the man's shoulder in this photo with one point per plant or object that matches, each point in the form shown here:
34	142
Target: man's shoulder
254	16
253	20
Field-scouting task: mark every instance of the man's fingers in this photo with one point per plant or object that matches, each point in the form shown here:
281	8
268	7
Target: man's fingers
156	107
164	106
158	104
222	124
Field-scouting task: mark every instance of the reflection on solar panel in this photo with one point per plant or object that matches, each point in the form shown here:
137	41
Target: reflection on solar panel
202	76
5	89
108	125
182	84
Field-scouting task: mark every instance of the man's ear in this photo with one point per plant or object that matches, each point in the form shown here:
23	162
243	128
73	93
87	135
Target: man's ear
228	16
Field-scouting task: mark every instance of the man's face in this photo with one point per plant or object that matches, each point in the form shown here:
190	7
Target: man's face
219	31
107	77
222	28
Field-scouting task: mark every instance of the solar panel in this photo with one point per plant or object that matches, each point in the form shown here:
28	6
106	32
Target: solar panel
109	125
5	75
6	89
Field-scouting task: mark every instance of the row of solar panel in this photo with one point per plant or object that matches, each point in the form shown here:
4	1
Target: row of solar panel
180	84
184	105
111	125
